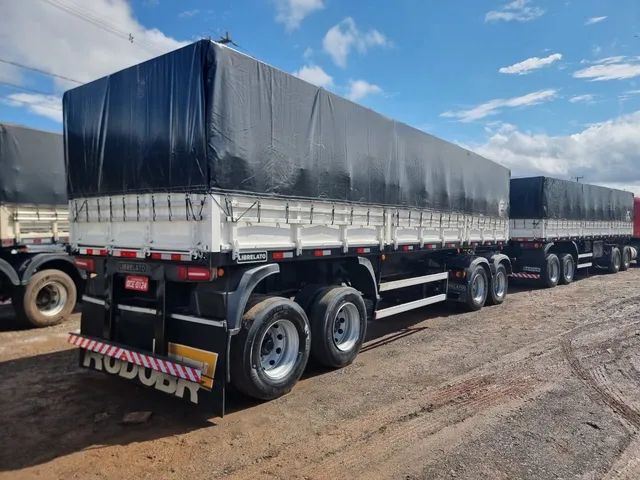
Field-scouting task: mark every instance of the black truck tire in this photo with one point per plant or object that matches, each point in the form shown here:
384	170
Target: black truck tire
478	287
499	286
626	258
271	350
338	326
567	269
615	260
551	271
48	298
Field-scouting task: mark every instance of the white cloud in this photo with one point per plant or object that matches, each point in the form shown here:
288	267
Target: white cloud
594	20
49	106
611	68
316	75
358	89
516	10
291	13
606	153
73	47
492	107
530	64
344	37
308	53
189	13
586	98
628	95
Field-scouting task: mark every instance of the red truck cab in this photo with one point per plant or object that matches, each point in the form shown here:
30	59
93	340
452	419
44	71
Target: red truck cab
636	217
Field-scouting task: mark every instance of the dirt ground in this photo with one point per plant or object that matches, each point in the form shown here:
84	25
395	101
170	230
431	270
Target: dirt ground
543	387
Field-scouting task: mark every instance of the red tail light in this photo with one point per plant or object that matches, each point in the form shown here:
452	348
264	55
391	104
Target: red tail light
194	274
87	264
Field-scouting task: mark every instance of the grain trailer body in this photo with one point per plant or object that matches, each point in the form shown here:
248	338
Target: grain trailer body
236	220
558	227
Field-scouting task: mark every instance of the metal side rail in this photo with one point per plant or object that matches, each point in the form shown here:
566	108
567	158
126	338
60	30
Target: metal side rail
405	307
583	256
409	282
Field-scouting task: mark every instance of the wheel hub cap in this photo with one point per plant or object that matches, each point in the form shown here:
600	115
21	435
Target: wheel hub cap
279	349
51	299
346	327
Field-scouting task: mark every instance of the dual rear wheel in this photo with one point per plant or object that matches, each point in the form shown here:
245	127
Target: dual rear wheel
483	289
271	351
558	270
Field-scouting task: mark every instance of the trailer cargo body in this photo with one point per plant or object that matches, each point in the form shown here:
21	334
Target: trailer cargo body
558	226
236	219
36	273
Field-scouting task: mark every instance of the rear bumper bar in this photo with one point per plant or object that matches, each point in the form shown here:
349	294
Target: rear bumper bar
163	365
190	373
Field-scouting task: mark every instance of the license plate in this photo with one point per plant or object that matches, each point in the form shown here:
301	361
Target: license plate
137	283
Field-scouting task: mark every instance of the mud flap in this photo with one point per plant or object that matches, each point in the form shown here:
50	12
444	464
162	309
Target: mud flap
202	347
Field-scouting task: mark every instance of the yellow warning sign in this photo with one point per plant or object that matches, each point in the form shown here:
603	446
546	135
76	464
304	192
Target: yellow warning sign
203	360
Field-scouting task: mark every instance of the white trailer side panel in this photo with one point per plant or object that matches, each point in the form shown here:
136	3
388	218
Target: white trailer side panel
551	229
24	224
239	223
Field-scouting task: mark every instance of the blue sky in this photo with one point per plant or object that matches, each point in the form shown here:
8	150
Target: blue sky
540	84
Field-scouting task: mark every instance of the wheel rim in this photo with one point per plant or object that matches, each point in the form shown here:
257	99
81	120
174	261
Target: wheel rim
279	349
568	269
554	271
500	285
346	327
478	288
51	299
616	259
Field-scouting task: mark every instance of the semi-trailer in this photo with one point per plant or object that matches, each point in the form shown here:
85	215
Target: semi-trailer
235	220
558	227
635	239
36	273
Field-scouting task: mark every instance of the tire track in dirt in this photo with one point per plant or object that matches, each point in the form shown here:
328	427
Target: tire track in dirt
395	427
475	393
599	381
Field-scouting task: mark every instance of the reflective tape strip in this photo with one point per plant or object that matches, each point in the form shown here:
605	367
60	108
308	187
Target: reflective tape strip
532	276
129	253
93	251
175	257
148	361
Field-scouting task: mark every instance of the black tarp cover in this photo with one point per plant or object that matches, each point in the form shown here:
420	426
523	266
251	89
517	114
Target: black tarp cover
544	197
208	118
31	166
